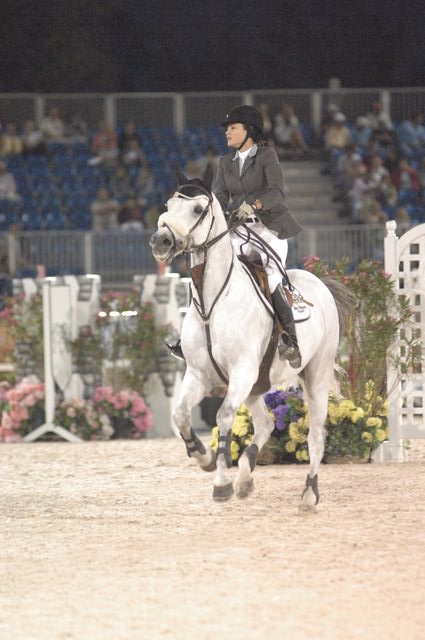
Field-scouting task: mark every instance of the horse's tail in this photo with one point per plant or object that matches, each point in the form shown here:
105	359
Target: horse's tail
345	301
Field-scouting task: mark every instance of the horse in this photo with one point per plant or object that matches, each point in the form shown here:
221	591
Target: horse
226	332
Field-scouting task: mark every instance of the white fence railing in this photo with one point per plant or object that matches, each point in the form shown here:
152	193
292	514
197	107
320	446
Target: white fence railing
181	110
117	255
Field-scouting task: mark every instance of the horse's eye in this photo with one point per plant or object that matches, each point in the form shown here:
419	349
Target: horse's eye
198	209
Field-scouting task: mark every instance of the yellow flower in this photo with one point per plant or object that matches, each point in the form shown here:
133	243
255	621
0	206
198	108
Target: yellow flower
356	415
214	438
234	450
366	436
302	455
369	388
374	422
293	430
291	446
240	426
380	434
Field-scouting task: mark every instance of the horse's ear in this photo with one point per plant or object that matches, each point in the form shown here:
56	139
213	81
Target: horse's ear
208	176
180	177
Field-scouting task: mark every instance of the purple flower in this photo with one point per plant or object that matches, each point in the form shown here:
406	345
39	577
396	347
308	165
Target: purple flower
280	414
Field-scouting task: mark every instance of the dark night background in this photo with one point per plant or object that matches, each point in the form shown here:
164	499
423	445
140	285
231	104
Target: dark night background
129	45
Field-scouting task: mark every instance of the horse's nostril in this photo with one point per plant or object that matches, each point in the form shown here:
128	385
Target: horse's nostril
167	242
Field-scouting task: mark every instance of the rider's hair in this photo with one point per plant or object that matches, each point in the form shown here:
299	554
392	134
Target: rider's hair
256	135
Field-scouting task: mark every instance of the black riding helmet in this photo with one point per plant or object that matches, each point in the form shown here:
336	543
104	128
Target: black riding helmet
246	115
250	118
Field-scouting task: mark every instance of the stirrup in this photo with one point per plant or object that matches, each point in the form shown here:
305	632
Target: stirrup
175	349
289	353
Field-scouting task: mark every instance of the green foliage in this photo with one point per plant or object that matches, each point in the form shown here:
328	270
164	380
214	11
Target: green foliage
380	317
25	326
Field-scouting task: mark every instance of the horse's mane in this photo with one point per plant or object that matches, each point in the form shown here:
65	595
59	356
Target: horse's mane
194	187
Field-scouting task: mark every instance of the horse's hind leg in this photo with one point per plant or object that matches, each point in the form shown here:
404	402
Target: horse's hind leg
316	388
192	392
263	426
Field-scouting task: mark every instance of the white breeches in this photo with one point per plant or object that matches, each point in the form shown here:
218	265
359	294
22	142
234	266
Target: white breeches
279	246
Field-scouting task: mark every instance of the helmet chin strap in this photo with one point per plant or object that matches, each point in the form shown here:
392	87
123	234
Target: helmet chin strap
241	145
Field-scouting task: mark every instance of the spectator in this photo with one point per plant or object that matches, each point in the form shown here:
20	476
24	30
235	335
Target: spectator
131	217
402	217
120	184
76	130
359	187
11	141
412	135
206	163
52	126
129	135
337	139
328	118
383	134
376	114
7	185
145	185
107	155
287	133
406	179
371	210
377	171
264	109
103	137
132	154
361	135
387	196
104	211
32	139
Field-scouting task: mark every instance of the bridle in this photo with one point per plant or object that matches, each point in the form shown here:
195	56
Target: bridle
189	246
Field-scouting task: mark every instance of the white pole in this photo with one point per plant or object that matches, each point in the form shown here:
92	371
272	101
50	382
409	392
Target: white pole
392	450
49	383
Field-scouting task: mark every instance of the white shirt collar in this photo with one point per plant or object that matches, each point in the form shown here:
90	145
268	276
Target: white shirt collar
242	155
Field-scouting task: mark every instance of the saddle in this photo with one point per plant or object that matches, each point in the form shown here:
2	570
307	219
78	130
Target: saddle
299	307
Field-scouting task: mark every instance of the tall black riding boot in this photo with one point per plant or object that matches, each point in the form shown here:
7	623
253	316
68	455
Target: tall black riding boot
288	348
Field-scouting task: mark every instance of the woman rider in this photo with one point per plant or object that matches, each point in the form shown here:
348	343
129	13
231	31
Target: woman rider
251	183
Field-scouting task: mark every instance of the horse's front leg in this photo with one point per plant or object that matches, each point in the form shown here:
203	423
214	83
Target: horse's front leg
240	385
192	392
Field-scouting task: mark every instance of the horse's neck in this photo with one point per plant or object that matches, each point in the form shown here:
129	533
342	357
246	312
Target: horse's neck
218	264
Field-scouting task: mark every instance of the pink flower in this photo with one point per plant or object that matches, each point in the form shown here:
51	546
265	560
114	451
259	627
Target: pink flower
6	421
30	400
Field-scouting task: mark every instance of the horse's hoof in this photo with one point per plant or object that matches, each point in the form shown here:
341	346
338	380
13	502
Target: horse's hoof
221	494
211	466
307	508
245	489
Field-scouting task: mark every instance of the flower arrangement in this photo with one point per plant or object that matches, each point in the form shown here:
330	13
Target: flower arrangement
125	409
81	418
100	418
22	409
353	431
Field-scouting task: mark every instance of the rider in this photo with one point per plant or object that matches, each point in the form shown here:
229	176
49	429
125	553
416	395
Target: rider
251	183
